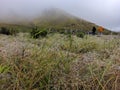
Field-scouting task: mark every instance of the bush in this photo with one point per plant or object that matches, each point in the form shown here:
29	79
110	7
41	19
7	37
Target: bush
7	31
4	31
36	33
43	33
80	34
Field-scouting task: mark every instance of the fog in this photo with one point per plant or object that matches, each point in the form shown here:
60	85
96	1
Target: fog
102	12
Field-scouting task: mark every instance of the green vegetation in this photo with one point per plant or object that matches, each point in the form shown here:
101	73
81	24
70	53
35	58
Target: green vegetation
17	27
4	69
80	34
68	59
7	31
59	62
37	32
56	20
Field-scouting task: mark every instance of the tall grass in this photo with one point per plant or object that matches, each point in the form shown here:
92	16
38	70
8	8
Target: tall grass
59	62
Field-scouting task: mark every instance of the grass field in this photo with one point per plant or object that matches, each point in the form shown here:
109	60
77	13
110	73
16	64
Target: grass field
59	62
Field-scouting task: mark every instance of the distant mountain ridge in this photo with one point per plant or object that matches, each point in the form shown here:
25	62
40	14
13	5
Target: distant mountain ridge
57	19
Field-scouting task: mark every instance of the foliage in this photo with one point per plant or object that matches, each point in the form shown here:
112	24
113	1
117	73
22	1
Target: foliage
4	68
4	31
59	62
36	33
7	31
80	34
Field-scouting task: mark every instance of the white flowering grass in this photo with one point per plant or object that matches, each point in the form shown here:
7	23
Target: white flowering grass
59	62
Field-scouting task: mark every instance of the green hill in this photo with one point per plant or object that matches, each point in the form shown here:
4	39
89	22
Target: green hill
21	28
55	19
59	20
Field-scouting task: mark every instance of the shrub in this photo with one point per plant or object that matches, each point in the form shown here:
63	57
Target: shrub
7	31
80	34
4	31
43	33
36	33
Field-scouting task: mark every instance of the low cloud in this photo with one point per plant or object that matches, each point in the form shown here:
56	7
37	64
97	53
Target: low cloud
101	12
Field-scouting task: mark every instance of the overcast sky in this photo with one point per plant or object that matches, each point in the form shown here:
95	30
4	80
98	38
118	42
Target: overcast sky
101	12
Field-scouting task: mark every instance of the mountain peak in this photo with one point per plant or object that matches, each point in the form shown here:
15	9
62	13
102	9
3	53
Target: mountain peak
57	19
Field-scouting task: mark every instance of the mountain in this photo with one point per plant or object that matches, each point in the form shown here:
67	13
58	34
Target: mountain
60	19
57	19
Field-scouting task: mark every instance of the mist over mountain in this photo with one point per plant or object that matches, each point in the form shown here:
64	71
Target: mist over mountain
14	18
50	18
102	12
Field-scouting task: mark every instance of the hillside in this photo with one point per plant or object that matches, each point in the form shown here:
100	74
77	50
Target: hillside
55	19
19	27
58	19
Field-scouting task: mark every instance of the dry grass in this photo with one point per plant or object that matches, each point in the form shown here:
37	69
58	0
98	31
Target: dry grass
59	62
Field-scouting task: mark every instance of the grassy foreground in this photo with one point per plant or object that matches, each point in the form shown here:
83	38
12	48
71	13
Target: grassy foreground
59	62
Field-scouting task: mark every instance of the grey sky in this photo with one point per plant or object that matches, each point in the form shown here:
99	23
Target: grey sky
101	12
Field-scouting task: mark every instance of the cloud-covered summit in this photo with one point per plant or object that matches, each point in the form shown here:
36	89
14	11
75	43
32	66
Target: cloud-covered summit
101	12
